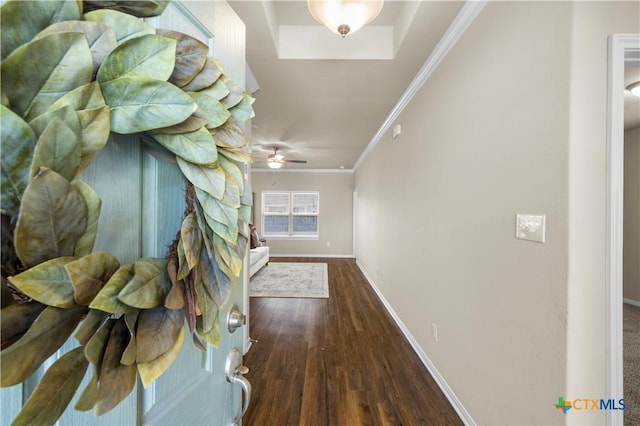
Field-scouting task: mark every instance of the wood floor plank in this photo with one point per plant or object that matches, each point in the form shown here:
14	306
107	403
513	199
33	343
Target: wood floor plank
337	361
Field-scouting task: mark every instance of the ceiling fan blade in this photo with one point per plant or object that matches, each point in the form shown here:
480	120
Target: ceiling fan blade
295	161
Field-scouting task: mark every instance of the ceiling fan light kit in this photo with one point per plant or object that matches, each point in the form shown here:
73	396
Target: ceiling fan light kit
634	88
344	16
275	160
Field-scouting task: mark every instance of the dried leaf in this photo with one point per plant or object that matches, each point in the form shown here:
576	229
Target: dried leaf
194	122
195	147
45	336
215	113
140	104
208	179
149	57
157	332
235	95
216	282
116	380
129	354
175	298
149	286
21	21
90	325
217	90
85	243
101	39
64	63
90	273
243	110
107	299
191	56
150	371
47	283
206	77
55	390
58	148
16	320
17	143
53	216
219	213
139	8
230	135
191	239
125	26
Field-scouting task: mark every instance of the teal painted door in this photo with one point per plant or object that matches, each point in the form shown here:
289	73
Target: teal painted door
142	192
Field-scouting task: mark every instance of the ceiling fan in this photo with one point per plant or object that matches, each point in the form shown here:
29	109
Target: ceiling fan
275	160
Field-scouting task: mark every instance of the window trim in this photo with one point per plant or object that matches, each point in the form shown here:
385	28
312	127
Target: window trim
290	214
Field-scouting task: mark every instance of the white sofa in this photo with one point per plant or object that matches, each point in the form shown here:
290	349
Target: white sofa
258	257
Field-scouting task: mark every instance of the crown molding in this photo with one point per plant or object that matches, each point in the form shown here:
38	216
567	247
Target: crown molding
266	170
463	20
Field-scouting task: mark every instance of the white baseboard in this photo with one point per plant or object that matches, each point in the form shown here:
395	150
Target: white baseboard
337	256
440	381
631	302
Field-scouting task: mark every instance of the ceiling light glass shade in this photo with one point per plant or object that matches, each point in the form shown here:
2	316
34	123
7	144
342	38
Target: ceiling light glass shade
344	16
274	164
634	88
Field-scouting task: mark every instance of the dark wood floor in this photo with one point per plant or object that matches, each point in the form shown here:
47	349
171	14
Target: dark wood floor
337	361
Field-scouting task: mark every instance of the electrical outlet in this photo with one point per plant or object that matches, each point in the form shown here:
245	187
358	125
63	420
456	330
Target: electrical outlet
530	227
434	332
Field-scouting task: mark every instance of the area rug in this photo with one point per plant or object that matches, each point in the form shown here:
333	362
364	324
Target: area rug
284	279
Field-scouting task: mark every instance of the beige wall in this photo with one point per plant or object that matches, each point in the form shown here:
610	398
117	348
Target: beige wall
502	127
336	211
632	215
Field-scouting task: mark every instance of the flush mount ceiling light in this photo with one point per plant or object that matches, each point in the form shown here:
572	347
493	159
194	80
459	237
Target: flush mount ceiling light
634	88
344	16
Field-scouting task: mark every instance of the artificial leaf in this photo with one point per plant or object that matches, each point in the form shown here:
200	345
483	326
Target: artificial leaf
212	336
139	8
101	39
107	299
205	231
85	243
220	229
21	20
191	309
175	298
217	284
183	265
219	212
215	113
138	105
47	282
58	149
55	390
94	117
228	253
16	320
191	239
89	274
233	171
53	216
241	155
231	196
129	354
230	135
208	308
125	26
235	95
150	371
65	113
243	110
89	395
206	77
45	336
157	331
208	179
149	286
149	56
194	122
217	90
195	147
64	63
116	380
90	325
244	213
17	143
191	56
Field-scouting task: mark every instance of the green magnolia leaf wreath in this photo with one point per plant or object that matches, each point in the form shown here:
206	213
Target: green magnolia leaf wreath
73	72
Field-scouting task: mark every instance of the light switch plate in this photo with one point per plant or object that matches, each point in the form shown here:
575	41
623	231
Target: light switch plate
530	227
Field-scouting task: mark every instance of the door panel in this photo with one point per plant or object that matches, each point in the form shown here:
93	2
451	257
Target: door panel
142	192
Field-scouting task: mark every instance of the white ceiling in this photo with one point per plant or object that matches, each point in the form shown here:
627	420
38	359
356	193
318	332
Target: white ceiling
327	111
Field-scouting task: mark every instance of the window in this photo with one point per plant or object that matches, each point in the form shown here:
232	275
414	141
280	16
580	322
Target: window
290	214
